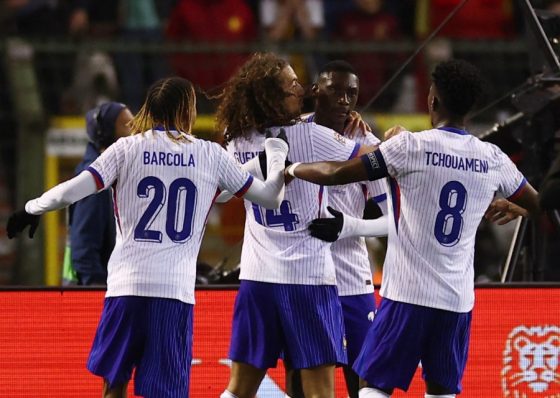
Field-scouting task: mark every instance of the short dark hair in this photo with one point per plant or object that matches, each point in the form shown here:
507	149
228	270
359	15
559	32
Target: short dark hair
459	85
337	66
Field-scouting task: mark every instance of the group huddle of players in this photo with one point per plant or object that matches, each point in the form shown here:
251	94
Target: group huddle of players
304	296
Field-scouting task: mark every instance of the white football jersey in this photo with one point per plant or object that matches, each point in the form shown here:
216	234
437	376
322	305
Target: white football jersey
443	181
277	247
350	255
162	193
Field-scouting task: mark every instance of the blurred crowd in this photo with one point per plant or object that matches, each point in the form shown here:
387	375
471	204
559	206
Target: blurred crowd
89	77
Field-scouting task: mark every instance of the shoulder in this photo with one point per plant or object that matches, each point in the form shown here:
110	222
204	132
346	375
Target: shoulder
367	139
322	131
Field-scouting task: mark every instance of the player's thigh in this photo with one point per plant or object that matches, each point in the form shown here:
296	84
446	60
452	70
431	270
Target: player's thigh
393	346
244	380
164	370
255	309
312	324
318	382
119	339
445	356
358	312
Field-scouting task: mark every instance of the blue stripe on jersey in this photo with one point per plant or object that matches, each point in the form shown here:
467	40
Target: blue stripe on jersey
355	151
375	165
518	190
453	130
396	195
310	118
97	177
380	198
245	187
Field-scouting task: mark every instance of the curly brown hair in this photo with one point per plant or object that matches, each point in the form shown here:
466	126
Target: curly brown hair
253	98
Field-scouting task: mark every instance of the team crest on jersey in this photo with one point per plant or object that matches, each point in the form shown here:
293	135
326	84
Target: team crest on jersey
531	360
340	138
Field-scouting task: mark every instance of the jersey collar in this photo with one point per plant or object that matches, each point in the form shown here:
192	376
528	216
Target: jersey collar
453	130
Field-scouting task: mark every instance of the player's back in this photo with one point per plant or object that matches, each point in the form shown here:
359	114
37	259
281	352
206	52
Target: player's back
277	246
444	180
162	193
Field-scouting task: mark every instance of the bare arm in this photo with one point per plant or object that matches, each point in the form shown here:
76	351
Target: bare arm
528	198
366	167
501	211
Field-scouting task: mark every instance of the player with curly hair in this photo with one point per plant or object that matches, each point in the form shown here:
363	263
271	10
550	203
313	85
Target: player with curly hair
287	302
442	181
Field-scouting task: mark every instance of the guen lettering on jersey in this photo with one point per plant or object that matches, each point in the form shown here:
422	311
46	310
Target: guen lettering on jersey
244	157
446	160
168	159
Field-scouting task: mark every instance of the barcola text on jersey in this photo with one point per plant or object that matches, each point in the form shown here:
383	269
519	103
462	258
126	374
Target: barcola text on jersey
168	159
456	162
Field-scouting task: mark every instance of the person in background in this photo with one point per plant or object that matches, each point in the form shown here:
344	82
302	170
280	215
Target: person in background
370	21
91	221
142	22
211	21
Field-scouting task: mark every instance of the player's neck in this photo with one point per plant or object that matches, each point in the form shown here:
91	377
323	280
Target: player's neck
456	124
324	121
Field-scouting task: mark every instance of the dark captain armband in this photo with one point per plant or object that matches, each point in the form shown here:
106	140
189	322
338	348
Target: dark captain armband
375	165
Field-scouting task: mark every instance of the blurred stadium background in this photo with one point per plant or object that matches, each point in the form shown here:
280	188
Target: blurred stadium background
60	58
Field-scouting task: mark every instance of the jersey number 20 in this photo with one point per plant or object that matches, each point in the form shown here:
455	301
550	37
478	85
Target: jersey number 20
178	222
449	220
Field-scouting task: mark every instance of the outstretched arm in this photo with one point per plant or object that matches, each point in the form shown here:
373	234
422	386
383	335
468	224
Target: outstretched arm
60	196
344	226
370	166
63	194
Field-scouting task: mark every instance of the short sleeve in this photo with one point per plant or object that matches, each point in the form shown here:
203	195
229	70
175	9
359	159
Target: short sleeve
231	177
510	179
395	152
329	145
106	168
370	139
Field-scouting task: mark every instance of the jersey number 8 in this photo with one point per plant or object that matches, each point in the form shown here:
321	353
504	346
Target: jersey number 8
449	220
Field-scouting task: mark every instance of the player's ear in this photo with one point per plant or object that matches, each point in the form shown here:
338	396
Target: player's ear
434	104
314	89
